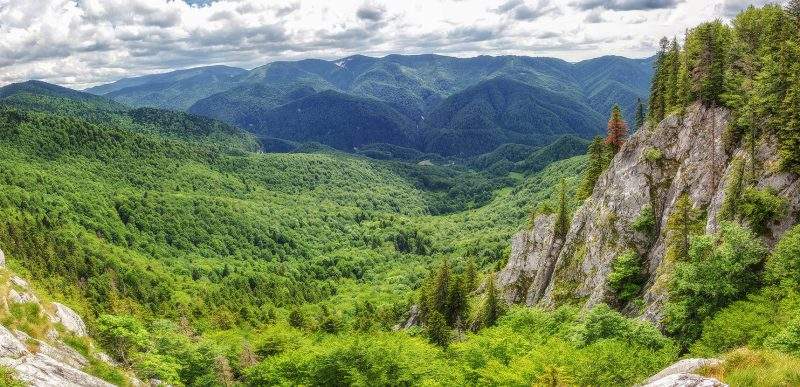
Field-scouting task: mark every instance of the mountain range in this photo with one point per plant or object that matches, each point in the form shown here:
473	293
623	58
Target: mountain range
445	105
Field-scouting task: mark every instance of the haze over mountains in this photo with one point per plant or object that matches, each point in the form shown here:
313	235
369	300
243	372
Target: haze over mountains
438	104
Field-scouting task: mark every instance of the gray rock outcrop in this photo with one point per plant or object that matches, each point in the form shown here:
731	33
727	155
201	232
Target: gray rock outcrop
69	319
656	165
686	380
41	368
683	367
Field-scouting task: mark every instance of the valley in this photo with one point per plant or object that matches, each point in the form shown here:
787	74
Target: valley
412	220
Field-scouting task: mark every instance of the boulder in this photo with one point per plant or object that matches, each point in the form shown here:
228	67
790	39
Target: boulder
2	258
22	297
69	319
682	373
685	380
685	366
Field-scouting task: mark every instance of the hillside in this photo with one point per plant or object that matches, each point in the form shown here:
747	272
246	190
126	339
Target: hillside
176	90
44	97
500	111
338	120
441	95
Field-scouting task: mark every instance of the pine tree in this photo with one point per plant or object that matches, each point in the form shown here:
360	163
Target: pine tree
617	130
733	192
441	288
457	304
493	305
657	89
640	116
470	276
437	330
672	64
562	216
598	162
683	223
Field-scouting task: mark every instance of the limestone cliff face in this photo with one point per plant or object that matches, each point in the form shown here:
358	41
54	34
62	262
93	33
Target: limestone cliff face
653	169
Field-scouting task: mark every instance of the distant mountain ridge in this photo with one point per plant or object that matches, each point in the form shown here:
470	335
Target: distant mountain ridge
434	103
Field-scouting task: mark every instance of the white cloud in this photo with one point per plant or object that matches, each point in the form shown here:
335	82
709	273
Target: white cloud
80	43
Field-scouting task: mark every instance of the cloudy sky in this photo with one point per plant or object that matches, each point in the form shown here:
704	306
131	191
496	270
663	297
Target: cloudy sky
86	42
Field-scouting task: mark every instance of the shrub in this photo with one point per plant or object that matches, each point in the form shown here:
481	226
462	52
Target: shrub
759	206
783	266
123	336
748	322
653	155
626	278
645	222
788	339
719	270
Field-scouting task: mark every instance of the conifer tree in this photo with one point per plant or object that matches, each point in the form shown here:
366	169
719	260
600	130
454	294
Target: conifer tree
470	276
562	215
683	223
457	303
672	64
640	116
617	130
493	305
598	161
437	330
793	8
657	88
441	289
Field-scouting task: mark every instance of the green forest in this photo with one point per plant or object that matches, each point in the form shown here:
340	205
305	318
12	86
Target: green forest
198	260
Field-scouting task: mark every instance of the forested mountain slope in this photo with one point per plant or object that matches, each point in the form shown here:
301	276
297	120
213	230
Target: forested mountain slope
45	97
175	90
559	98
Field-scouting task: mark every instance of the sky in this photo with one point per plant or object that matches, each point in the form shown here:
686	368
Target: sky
82	43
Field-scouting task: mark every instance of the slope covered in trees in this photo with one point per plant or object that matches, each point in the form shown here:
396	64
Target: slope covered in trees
535	99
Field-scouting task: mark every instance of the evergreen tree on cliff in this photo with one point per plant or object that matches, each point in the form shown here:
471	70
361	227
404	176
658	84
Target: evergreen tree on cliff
617	130
562	216
598	162
658	90
640	117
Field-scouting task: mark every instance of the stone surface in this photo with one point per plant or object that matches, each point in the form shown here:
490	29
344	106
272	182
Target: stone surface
2	258
685	366
19	282
548	271
530	265
61	353
22	297
40	369
413	317
69	319
685	380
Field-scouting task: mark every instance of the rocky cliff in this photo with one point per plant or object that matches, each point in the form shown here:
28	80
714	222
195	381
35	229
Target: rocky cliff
32	339
657	164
